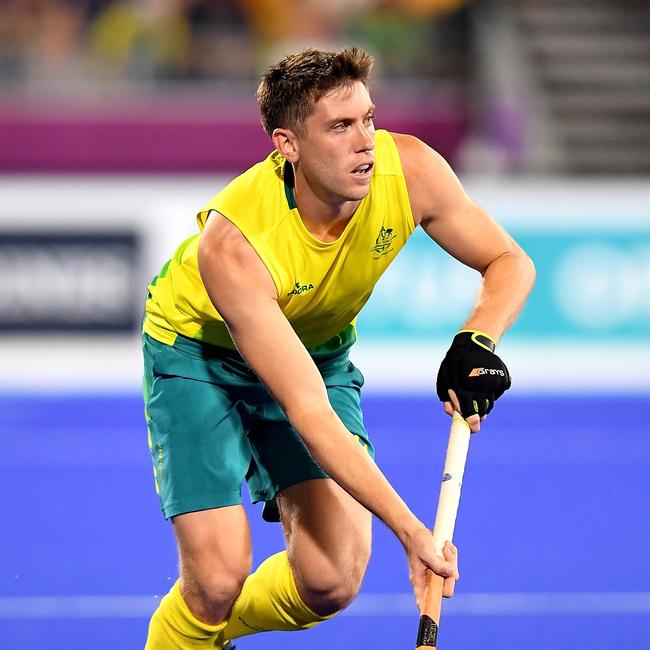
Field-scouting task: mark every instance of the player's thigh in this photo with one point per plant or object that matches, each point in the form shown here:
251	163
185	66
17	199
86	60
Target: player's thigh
199	447
214	548
328	534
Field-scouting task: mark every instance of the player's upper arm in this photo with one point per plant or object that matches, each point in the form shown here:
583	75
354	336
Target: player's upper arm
244	294
445	211
231	270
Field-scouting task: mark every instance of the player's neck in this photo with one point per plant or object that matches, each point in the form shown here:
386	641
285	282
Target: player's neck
324	217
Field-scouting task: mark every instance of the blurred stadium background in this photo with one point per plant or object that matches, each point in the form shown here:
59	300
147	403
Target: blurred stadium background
119	118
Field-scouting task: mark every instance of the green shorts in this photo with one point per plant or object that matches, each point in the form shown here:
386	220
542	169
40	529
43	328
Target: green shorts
212	425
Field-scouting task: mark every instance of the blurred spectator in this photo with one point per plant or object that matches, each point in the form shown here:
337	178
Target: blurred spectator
221	40
40	38
414	38
215	39
141	38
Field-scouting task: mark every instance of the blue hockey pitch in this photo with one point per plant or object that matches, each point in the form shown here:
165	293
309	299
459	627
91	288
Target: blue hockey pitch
553	528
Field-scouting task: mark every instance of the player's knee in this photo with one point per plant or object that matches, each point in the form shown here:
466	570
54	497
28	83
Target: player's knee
215	590
224	588
328	596
332	588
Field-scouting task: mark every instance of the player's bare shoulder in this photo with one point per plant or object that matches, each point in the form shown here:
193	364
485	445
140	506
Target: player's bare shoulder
223	239
228	264
430	180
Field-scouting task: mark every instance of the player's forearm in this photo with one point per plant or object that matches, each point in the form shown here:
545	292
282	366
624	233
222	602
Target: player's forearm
345	460
507	281
289	373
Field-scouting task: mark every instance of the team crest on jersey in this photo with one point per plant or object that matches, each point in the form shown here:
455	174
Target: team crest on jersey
383	243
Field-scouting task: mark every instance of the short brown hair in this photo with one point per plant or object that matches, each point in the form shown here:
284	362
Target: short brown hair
290	88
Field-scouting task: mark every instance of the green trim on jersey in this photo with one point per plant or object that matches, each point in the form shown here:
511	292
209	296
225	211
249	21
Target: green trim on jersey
289	185
338	344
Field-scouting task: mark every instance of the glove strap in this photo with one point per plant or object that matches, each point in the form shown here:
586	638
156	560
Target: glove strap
481	339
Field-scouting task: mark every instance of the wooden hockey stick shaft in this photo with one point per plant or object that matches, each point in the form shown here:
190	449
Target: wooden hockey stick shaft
443	530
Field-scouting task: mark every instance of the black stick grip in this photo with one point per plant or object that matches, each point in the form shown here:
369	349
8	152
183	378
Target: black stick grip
427	633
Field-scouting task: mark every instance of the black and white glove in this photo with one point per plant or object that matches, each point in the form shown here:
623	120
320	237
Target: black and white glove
472	370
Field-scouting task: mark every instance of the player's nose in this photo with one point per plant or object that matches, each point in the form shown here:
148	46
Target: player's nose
365	138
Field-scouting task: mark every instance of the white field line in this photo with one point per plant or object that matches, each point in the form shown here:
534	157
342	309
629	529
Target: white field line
510	604
369	604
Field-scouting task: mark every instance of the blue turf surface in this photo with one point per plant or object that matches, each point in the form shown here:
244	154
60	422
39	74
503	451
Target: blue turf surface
555	500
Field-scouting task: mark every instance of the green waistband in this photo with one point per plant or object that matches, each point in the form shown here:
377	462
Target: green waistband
339	344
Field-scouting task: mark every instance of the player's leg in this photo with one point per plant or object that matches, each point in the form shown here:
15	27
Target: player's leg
214	559
328	533
213	565
328	542
328	537
201	455
319	515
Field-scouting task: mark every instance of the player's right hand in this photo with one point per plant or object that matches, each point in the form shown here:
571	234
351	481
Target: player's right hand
421	553
471	377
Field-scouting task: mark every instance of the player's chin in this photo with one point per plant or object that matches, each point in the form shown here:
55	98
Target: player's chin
358	191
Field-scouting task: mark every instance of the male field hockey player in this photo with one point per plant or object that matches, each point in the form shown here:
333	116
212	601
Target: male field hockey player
247	376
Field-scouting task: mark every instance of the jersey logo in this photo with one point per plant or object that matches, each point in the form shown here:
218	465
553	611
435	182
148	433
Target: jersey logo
383	243
300	288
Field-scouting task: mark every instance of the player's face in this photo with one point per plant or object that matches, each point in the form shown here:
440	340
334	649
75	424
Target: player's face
336	149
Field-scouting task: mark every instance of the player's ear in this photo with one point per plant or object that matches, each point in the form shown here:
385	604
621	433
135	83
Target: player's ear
286	143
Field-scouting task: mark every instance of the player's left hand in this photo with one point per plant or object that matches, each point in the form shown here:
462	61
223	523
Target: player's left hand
471	377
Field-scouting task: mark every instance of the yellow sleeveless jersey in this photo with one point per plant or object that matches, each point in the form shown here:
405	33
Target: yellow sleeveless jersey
321	286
